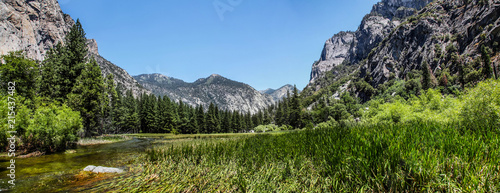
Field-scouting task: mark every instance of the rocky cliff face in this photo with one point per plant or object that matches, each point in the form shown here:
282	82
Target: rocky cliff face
335	51
353	47
36	26
33	26
279	93
439	31
225	93
398	37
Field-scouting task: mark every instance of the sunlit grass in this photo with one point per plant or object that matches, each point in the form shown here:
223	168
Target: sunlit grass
386	158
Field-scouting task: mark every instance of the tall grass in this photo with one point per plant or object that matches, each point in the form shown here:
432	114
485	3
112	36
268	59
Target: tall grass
428	143
388	158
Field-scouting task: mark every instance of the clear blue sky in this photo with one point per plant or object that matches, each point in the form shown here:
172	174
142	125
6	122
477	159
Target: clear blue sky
264	43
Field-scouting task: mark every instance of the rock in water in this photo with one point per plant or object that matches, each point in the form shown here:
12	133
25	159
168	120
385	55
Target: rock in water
100	169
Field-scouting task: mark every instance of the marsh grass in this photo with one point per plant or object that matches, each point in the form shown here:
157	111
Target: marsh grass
410	157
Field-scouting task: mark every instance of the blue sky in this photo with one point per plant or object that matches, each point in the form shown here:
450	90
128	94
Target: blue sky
263	43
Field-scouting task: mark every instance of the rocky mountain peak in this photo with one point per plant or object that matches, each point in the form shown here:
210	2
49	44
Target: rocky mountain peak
353	47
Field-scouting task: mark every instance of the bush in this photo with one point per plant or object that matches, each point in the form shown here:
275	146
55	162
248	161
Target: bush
47	127
481	109
266	128
328	124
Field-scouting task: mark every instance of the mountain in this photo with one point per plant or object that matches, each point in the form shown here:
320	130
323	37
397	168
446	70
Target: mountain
279	93
399	37
36	26
448	35
353	47
225	93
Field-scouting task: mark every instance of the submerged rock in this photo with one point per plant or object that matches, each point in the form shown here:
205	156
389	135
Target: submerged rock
100	169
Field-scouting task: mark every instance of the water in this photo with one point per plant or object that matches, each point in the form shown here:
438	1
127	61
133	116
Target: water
50	172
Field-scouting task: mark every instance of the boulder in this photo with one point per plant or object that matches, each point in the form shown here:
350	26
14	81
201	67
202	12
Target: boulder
101	169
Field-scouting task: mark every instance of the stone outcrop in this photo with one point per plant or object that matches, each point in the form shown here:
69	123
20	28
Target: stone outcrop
101	169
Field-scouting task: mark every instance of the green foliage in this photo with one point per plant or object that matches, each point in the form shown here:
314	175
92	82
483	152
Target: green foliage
47	127
481	106
267	128
477	109
15	67
365	88
52	128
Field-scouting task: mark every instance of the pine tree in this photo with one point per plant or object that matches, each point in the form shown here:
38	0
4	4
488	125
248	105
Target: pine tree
86	97
426	79
132	121
163	103
485	55
192	123
226	121
212	119
51	81
64	64
295	110
236	122
110	106
182	125
200	119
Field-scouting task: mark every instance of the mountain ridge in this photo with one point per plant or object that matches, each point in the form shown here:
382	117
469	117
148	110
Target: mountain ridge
280	93
223	92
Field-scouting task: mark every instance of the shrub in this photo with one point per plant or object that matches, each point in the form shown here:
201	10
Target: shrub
267	128
481	109
47	127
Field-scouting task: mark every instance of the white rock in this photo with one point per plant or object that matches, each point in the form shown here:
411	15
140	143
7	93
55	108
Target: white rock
101	169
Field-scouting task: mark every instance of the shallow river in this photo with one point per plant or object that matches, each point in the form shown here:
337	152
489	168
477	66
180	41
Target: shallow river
49	172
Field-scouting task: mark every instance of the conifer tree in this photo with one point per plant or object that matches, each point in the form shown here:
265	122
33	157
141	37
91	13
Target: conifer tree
110	106
183	118
86	97
426	79
200	119
295	109
192	123
64	64
163	103
485	55
132	122
212	119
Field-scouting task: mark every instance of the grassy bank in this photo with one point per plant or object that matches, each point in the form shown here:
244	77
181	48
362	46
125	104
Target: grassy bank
387	158
103	139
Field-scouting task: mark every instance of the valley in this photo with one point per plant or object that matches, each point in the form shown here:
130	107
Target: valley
408	102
